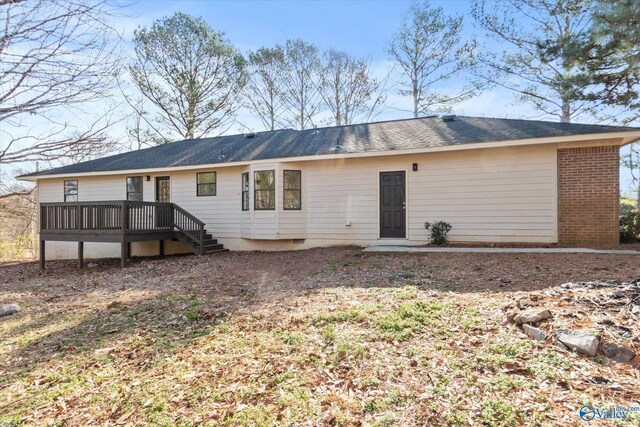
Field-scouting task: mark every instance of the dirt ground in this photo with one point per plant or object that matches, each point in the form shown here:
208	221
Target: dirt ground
318	337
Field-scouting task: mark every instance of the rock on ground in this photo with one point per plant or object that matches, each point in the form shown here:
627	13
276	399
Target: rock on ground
8	309
533	315
536	334
617	352
580	341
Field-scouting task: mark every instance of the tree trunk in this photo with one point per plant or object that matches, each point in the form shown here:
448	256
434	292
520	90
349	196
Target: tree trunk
415	98
566	112
272	113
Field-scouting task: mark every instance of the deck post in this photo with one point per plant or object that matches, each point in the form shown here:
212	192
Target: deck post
80	254
161	244
41	254
124	218
201	238
123	254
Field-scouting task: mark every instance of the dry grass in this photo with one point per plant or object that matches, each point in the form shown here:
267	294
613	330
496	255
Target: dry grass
320	337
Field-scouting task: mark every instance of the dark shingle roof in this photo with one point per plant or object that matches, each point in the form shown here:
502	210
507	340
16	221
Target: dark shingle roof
404	134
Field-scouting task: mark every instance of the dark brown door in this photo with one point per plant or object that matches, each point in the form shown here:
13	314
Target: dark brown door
163	189
163	195
392	204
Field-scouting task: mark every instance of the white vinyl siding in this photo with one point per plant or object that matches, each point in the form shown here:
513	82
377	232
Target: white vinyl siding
492	195
95	188
488	195
220	213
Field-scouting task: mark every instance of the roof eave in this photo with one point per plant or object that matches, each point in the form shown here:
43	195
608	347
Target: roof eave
626	137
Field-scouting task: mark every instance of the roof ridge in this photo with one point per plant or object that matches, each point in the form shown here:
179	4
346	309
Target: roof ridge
551	122
382	135
395	121
460	116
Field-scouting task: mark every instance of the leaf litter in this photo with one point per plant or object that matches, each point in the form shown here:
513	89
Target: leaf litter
318	337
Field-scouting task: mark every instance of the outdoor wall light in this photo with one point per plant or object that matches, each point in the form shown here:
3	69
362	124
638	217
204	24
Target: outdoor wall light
415	167
148	178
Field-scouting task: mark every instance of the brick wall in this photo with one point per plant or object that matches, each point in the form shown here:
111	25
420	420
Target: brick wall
588	205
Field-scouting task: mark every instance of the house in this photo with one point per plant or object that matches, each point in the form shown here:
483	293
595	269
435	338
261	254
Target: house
494	180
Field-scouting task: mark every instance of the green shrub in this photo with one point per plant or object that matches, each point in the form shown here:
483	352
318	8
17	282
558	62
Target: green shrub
630	227
439	231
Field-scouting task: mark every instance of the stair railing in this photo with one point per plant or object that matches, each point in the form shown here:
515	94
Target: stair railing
189	225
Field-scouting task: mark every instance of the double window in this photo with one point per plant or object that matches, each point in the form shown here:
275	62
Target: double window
264	186
134	188
264	190
206	183
292	187
71	191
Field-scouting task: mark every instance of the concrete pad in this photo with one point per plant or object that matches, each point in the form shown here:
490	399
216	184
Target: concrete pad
459	250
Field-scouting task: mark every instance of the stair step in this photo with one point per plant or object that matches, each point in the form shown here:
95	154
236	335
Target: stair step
207	239
207	243
212	247
213	251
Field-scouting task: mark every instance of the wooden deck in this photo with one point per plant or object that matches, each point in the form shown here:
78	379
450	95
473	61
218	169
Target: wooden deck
121	222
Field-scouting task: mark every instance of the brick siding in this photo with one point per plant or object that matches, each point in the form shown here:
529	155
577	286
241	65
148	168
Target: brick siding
588	196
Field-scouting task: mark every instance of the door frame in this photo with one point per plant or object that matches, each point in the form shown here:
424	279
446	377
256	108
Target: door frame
406	198
155	186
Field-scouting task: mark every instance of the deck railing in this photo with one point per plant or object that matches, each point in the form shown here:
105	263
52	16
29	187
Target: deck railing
122	216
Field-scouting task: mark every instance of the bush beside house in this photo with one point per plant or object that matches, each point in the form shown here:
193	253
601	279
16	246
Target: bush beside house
629	220
438	232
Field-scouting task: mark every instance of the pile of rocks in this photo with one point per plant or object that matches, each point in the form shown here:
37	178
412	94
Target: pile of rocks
544	317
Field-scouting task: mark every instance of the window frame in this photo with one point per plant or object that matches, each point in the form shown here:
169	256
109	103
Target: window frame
285	189
64	191
214	183
256	190
245	192
141	192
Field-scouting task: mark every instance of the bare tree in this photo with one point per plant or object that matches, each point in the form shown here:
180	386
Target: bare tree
348	88
429	51
631	161
264	90
54	58
57	60
300	82
191	74
142	130
17	216
536	54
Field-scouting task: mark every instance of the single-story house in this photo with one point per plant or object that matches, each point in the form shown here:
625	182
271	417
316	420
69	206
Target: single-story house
493	180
